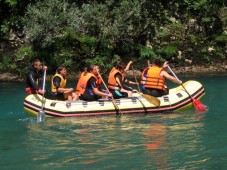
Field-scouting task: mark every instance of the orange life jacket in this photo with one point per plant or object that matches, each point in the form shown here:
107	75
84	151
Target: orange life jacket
153	78
112	83
82	83
98	82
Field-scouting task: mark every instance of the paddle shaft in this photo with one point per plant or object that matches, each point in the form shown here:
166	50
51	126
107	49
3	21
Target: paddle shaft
44	83
41	114
181	84
113	101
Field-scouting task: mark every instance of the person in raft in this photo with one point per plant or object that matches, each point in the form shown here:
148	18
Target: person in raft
153	79
116	81
35	72
126	80
87	87
98	78
126	69
58	86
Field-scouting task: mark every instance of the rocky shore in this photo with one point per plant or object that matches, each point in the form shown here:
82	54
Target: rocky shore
217	69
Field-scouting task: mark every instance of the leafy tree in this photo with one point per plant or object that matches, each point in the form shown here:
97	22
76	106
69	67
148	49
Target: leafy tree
75	33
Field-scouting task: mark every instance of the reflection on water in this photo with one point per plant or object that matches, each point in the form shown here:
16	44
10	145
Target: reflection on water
94	141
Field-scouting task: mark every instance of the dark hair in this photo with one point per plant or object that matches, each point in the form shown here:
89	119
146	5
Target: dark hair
89	68
157	62
59	69
35	60
116	63
120	66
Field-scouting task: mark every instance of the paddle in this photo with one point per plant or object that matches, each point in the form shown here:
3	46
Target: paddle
113	101
153	100
41	114
196	103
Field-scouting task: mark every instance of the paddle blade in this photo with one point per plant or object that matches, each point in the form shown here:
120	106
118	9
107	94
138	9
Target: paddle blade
41	116
153	100
198	105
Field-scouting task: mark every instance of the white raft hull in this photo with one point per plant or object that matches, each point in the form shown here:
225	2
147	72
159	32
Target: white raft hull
177	99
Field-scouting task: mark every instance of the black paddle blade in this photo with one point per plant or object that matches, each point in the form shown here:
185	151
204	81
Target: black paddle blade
41	116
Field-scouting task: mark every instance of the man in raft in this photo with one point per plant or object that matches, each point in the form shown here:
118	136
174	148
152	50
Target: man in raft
153	79
35	72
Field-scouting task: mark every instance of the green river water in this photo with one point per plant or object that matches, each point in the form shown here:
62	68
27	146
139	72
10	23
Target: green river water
182	140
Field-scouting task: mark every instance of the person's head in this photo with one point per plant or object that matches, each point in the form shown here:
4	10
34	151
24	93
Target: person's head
62	70
97	68
116	63
157	62
37	64
90	69
120	66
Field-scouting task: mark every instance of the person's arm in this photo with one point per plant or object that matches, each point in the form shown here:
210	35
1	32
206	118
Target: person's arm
41	72
121	83
169	77
31	78
165	64
145	72
131	82
128	66
57	81
93	85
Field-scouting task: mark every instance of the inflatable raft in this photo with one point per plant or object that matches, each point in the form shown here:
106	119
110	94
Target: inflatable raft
177	99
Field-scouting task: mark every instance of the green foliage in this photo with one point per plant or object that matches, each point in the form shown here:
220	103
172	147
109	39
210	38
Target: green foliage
147	52
7	64
5	27
25	53
11	3
221	40
169	50
45	20
76	33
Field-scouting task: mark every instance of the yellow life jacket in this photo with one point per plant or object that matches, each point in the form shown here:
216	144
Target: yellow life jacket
62	83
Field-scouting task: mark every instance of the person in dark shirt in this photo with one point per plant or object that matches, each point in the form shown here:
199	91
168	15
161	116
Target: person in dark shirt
35	72
87	87
116	82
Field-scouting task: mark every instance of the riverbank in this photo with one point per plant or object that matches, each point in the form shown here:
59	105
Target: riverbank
217	69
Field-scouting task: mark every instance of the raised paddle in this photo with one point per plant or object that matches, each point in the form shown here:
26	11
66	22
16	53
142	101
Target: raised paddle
113	100
41	114
196	103
153	100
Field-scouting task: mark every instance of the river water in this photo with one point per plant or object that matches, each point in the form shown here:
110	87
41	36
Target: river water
182	140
